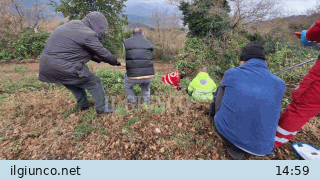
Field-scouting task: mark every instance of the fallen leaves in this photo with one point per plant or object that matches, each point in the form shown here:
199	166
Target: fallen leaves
153	137
157	130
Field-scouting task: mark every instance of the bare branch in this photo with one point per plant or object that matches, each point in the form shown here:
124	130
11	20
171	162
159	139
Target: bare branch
248	11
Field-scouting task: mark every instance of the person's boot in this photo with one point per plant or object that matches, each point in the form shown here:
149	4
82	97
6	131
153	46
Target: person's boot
85	107
211	118
107	111
272	154
235	154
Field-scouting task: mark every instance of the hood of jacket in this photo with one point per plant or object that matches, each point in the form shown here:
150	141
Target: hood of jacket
202	75
97	22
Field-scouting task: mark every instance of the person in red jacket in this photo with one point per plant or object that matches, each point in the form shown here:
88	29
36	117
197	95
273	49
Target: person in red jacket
305	98
173	79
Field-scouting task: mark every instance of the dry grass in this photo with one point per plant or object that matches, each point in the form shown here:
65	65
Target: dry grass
168	42
49	26
44	124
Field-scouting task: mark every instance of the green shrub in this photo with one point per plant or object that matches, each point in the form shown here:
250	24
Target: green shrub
206	17
4	54
216	54
31	44
113	81
115	43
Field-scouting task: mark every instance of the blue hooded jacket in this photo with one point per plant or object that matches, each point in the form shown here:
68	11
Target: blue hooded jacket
251	106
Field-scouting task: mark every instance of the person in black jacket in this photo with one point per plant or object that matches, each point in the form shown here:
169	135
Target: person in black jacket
139	65
66	53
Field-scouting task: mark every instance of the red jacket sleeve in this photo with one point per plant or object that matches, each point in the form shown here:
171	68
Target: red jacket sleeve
176	84
313	33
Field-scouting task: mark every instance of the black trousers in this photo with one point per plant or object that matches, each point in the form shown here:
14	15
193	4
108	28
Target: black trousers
214	108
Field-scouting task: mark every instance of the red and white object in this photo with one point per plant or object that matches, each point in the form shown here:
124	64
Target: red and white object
172	78
305	102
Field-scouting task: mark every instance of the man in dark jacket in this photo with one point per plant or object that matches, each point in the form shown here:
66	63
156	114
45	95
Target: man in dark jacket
139	65
66	52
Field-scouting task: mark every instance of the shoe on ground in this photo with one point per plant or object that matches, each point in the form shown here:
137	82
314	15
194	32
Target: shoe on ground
107	111
235	154
272	154
211	119
85	107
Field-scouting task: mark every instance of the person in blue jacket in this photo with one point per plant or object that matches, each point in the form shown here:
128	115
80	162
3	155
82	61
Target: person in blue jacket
250	107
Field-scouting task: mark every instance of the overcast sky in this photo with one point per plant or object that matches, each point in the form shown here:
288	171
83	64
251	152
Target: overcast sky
295	6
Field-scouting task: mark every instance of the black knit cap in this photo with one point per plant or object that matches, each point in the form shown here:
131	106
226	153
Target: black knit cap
252	50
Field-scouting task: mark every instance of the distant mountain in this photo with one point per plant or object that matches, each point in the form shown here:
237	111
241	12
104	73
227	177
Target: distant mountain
139	19
145	9
133	25
137	12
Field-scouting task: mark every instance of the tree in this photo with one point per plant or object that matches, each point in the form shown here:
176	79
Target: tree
206	16
166	29
112	9
77	9
248	11
36	14
178	2
29	16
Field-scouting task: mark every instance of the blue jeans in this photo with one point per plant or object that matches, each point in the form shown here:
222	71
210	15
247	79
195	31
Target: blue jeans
95	87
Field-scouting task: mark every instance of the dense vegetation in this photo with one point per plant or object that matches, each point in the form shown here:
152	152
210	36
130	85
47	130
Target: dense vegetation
219	48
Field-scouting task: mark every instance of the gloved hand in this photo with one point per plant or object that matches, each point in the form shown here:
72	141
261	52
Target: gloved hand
304	40
118	64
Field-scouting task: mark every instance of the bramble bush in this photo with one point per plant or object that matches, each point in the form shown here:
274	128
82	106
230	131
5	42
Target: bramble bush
113	83
28	45
31	44
115	43
221	54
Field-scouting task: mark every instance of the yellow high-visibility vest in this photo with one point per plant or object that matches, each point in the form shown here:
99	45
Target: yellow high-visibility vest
202	87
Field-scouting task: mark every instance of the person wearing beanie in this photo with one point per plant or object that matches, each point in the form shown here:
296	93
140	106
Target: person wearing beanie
247	105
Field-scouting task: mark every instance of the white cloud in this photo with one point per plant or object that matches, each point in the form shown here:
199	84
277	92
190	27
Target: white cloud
148	1
299	6
294	6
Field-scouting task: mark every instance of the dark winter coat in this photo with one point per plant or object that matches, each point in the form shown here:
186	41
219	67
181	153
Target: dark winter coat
139	56
71	46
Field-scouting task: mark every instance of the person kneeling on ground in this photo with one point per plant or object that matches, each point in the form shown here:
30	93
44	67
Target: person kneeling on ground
250	98
202	86
139	65
66	52
173	79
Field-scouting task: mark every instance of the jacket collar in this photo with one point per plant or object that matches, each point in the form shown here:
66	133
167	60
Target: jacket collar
255	62
202	74
137	35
